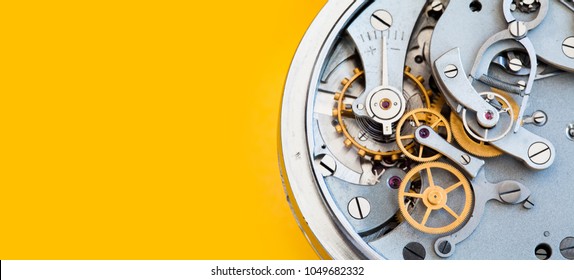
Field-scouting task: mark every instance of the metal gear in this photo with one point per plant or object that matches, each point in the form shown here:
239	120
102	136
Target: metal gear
471	145
342	110
435	197
417	118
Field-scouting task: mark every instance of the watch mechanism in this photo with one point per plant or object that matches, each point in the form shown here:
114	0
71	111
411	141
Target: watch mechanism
433	130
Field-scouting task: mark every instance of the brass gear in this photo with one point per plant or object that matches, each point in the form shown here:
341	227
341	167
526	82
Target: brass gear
471	145
341	110
417	118
435	198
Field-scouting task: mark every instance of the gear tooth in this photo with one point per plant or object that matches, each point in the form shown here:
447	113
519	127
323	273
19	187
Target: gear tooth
378	158
408	69
335	112
430	93
421	79
345	82
348	143
337	96
357	71
339	129
362	153
395	157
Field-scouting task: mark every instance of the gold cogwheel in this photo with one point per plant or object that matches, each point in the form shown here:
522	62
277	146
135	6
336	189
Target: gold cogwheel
471	145
434	198
343	110
417	118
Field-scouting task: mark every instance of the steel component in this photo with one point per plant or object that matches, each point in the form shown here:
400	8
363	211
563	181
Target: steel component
359	208
568	47
484	191
325	95
381	20
570	131
469	164
567	248
506	119
327	165
460	89
414	251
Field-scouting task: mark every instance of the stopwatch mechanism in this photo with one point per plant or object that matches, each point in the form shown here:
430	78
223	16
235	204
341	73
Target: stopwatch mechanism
435	126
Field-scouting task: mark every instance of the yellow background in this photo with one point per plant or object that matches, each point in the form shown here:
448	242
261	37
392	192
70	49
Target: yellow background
146	129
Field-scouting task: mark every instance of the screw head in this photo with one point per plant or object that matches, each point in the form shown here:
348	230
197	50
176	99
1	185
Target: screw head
414	251
450	71
528	204
327	165
567	248
517	29
359	208
515	65
509	193
437	6
381	20
568	47
445	247
570	131
521	85
539	153
465	159
539	118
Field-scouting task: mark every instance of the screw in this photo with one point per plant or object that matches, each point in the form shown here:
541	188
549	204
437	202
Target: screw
570	131
381	20
361	107
546	233
509	193
539	153
450	71
517	29
567	248
465	159
528	204
515	65
414	251
327	165
445	247
543	251
568	47
359	208
521	85
437	6
539	118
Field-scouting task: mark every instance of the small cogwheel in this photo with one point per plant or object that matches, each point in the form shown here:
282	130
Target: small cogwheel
441	214
344	111
414	119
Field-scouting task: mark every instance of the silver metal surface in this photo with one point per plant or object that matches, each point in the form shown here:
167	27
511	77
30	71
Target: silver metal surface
506	71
